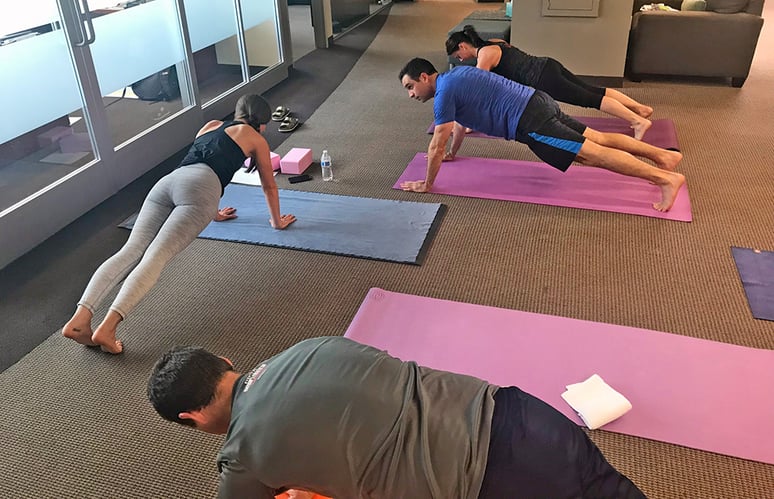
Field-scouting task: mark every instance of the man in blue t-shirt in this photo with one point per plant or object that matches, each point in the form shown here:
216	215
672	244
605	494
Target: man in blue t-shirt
487	102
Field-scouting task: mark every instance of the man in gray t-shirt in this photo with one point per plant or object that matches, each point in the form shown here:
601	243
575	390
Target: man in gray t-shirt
346	420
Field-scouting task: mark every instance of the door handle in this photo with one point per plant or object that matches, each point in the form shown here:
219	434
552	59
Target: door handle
87	26
68	11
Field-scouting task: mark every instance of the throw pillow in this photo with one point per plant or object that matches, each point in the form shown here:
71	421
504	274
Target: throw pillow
693	5
726	6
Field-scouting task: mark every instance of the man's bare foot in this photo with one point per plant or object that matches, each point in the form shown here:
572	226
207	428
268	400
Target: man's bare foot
669	191
644	111
640	127
668	160
105	337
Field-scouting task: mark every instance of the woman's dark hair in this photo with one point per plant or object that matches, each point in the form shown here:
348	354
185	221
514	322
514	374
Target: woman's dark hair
185	379
468	35
416	67
253	109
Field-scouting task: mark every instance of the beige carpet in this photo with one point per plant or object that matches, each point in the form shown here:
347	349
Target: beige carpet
75	423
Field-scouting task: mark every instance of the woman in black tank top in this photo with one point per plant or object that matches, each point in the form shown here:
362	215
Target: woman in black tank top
548	75
178	207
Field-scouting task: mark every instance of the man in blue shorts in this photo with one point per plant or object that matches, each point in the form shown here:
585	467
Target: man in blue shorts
349	421
487	102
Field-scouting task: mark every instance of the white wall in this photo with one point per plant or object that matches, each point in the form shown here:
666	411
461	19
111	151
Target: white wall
588	46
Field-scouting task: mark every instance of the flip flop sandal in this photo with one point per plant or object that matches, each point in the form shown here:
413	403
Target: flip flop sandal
280	113
289	124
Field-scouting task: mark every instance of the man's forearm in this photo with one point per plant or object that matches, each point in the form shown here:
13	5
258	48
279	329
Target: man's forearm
434	158
457	137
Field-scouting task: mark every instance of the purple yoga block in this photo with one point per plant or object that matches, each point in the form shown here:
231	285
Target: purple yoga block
296	160
76	142
51	136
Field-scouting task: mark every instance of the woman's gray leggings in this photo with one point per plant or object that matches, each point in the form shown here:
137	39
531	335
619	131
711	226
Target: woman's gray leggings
175	211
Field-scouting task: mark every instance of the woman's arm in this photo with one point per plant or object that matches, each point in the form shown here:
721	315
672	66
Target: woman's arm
268	184
489	57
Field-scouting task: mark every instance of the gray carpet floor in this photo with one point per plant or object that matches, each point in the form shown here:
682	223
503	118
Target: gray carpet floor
75	422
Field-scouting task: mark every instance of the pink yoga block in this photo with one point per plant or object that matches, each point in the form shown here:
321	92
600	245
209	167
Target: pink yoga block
51	136
76	142
275	161
296	160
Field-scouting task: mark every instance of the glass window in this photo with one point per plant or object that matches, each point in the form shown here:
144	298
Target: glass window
261	35
212	27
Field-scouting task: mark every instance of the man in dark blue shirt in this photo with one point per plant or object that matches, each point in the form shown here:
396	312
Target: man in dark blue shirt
487	102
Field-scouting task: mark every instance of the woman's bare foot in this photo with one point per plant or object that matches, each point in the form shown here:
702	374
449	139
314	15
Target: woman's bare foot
640	127
105	335
668	160
78	328
116	349
669	191
106	339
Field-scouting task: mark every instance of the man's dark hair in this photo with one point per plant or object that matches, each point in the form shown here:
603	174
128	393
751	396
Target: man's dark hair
185	379
253	109
416	67
468	35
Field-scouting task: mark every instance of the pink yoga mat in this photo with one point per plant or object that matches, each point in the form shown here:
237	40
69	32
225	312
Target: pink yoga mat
697	393
530	182
661	134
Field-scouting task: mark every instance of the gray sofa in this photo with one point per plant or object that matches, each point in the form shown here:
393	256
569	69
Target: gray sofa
718	42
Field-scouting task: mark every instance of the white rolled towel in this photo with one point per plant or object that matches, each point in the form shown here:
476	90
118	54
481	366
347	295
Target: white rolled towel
596	402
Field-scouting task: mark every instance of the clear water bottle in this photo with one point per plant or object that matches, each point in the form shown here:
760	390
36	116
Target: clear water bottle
325	165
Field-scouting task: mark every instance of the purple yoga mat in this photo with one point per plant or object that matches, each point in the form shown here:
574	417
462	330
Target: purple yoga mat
661	134
756	269
697	393
529	182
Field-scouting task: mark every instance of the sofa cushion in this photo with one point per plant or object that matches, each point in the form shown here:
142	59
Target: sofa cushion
726	6
693	5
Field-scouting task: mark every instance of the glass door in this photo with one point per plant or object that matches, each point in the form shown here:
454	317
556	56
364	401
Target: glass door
43	137
96	93
139	58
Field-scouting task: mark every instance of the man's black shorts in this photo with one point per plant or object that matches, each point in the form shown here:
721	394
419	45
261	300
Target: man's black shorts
536	452
552	135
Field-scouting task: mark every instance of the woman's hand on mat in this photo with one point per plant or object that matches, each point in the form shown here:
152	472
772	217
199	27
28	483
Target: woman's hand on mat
284	221
415	186
226	213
